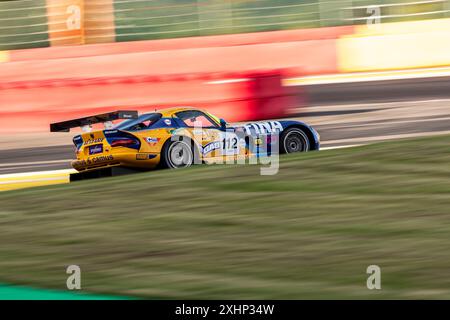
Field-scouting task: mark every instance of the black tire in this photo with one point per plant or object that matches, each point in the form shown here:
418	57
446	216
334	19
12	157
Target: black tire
294	140
178	152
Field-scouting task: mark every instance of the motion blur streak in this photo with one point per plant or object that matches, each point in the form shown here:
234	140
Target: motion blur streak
369	76
4	56
395	46
33	179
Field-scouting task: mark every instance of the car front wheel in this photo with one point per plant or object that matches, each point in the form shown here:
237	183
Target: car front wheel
294	140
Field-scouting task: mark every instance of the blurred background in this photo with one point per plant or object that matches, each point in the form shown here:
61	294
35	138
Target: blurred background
42	23
358	71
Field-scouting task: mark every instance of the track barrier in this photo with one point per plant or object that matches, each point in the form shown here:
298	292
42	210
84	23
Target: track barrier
233	96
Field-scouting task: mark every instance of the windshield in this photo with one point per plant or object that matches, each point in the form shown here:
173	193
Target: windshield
192	118
143	122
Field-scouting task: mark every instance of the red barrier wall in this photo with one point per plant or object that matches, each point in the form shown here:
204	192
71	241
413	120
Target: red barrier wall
231	96
181	43
309	57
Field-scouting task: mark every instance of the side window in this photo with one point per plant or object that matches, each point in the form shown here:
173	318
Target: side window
192	118
144	122
142	125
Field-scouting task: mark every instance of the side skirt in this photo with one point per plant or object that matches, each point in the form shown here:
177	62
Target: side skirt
102	173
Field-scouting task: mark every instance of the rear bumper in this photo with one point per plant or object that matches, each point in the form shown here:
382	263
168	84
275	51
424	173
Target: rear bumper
130	160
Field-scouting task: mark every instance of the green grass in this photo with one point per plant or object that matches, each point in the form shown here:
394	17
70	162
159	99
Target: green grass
8	292
227	232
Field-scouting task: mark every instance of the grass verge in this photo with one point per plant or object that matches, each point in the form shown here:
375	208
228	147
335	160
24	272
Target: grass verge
227	232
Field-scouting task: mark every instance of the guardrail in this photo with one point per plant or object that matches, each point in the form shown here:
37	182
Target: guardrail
40	23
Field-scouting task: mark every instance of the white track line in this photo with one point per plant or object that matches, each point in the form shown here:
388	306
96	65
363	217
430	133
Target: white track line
386	123
18	164
378	105
341	147
37	173
369	76
14	181
367	140
32	180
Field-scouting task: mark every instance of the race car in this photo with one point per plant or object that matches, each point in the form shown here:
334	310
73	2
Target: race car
179	137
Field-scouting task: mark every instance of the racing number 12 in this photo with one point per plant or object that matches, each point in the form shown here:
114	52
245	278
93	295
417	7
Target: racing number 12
230	143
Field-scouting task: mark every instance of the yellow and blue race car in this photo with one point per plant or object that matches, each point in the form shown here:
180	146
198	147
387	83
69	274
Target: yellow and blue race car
179	137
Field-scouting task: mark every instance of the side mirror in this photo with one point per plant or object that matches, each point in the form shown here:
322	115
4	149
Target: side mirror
223	124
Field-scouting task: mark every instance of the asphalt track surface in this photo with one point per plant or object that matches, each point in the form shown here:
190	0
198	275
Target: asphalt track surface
343	114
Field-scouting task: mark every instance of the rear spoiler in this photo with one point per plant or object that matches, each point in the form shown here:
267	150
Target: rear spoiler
65	126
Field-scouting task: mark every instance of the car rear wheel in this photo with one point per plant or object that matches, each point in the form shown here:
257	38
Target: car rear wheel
294	140
178	154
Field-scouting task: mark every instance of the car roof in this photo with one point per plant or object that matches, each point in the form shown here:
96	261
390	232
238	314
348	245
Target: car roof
169	112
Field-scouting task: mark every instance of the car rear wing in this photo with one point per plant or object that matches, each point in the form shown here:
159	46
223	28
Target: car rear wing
86	122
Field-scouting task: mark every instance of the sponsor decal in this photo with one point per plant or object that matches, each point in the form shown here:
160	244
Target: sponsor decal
102	158
168	122
229	145
92	141
110	131
94	160
141	156
212	146
263	127
152	141
98	148
145	156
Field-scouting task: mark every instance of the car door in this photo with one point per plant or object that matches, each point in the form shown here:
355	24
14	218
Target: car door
217	145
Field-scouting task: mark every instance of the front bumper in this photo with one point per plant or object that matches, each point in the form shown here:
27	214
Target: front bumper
316	136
